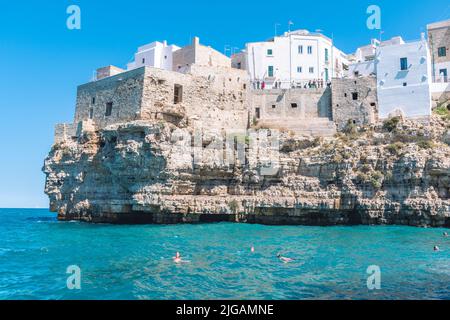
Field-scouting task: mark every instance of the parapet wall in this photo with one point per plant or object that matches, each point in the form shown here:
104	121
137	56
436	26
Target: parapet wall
64	132
354	100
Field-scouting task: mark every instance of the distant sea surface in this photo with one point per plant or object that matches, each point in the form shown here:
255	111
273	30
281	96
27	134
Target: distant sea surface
135	262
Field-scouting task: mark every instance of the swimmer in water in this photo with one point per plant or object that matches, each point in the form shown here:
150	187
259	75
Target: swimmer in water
284	259
177	258
445	234
436	248
252	249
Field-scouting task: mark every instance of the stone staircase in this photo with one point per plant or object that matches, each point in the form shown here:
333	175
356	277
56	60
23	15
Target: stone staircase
317	127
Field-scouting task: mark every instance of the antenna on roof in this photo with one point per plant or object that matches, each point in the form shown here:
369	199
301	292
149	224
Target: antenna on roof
289	25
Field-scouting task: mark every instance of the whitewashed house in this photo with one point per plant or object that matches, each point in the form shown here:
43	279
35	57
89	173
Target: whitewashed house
292	60
156	54
403	79
363	62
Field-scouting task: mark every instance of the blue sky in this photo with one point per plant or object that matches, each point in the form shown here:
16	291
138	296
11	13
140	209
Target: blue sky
42	62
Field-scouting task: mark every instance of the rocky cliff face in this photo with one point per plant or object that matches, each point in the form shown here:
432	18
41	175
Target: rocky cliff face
392	173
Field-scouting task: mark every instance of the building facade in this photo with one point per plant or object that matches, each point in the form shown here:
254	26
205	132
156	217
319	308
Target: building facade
403	79
293	59
439	42
200	55
156	54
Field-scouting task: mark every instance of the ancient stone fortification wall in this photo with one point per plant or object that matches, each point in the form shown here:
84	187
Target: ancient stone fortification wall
354	100
292	103
121	93
303	111
210	97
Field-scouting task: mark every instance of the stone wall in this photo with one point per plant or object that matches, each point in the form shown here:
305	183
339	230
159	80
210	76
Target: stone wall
292	103
108	71
439	36
354	100
122	93
211	97
64	132
302	111
200	55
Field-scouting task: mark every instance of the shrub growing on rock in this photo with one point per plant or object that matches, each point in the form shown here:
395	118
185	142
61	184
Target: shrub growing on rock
391	124
395	148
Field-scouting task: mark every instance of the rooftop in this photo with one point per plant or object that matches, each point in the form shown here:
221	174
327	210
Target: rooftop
439	24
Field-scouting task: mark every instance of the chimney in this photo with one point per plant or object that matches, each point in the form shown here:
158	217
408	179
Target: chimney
195	41
422	36
165	43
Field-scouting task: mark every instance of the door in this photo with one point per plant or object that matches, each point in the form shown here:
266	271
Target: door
443	74
257	113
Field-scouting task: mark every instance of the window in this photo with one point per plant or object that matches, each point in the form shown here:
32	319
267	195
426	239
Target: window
309	49
442	52
326	74
270	71
143	60
311	69
108	111
300	49
355	95
244	86
356	73
257	113
177	94
405	84
293	105
326	54
93	100
269	52
165	57
274	106
91	113
403	63
345	95
299	69
239	65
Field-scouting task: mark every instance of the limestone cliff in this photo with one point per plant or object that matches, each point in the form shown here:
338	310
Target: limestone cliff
137	172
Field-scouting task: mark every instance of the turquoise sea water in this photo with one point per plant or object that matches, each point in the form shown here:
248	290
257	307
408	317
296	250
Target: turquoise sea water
134	262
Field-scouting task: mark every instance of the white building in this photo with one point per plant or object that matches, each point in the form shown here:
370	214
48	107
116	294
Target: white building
155	54
293	59
403	79
363	62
